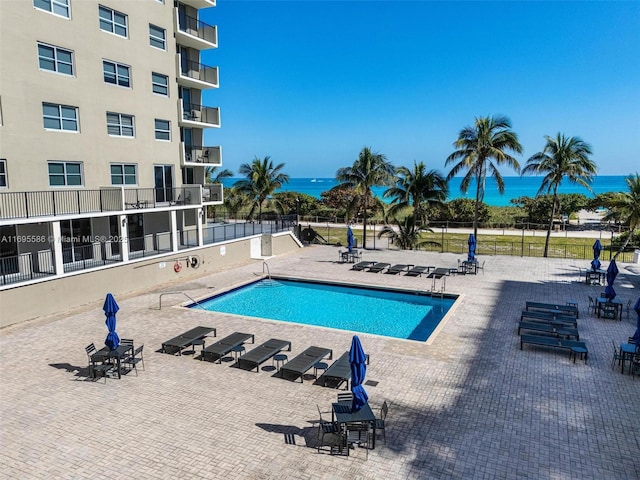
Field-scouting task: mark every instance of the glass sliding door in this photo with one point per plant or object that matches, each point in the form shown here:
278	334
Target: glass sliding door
163	175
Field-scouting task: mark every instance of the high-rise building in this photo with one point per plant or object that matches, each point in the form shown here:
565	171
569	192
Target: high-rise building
102	154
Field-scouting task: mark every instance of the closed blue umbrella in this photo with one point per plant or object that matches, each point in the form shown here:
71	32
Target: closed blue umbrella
636	336
358	360
110	309
472	248
351	239
612	272
597	248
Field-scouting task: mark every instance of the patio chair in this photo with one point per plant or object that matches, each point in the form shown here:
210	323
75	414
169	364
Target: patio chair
134	358
592	305
417	271
218	350
186	339
360	435
377	267
380	422
299	365
325	427
397	268
95	368
360	266
609	311
260	354
628	309
617	355
345	397
480	266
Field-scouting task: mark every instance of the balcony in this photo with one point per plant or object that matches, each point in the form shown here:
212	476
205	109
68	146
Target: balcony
198	116
55	203
212	194
199	156
194	33
199	3
196	75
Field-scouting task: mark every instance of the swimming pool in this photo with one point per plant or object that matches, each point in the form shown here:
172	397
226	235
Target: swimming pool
391	313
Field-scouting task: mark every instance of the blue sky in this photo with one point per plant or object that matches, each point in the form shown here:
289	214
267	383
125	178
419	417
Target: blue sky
311	83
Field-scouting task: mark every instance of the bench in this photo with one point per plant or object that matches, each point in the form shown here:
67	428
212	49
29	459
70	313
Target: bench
549	317
548	328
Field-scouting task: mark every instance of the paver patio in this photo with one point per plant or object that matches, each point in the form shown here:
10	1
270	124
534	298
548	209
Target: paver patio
470	404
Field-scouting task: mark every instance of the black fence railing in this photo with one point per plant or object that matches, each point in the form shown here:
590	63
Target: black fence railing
229	231
26	266
199	71
197	28
149	245
80	257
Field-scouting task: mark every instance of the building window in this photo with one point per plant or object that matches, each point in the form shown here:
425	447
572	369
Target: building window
113	21
163	129
3	173
57	7
160	84
116	73
64	174
120	125
123	174
60	117
55	59
157	37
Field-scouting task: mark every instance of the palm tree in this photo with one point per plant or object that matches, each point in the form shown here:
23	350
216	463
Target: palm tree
369	170
262	178
626	207
407	235
212	176
561	157
480	150
418	188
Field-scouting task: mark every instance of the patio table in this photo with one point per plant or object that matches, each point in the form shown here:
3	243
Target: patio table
341	413
627	349
616	302
118	354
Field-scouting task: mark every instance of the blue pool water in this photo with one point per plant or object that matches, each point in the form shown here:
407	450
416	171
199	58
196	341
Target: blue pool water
364	310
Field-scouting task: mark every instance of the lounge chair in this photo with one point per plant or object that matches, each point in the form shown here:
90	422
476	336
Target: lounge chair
573	345
339	371
361	265
187	338
564	309
551	329
397	268
417	271
299	365
548	317
377	267
253	358
219	349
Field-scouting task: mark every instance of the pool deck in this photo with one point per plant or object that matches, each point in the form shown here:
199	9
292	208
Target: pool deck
470	404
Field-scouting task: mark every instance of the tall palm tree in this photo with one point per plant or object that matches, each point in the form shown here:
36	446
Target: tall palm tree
626	207
213	175
562	157
369	170
262	178
480	150
418	188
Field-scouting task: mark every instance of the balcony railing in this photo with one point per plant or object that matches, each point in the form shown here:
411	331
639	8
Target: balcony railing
195	74
26	266
211	156
200	116
149	245
212	193
195	33
58	202
97	254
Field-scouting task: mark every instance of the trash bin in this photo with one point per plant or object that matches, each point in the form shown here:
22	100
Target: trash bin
636	256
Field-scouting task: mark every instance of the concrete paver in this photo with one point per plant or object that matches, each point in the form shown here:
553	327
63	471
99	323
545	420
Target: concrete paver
470	404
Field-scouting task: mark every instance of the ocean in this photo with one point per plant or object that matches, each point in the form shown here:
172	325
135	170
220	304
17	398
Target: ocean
514	187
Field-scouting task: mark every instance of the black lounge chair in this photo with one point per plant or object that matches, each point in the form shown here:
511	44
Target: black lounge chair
552	307
397	268
378	267
339	371
361	265
417	271
186	339
253	358
549	317
299	365
573	345
222	347
548	328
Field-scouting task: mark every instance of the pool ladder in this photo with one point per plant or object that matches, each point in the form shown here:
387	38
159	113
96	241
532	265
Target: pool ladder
264	264
178	293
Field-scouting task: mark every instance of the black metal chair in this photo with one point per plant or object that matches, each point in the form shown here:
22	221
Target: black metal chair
94	367
358	434
381	422
345	397
617	355
325	427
